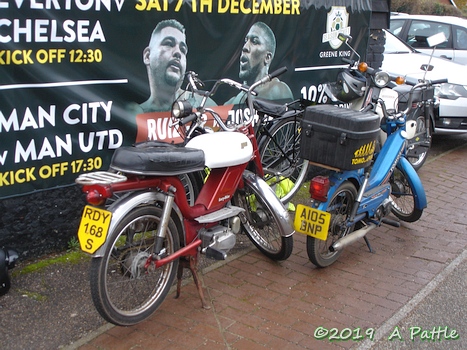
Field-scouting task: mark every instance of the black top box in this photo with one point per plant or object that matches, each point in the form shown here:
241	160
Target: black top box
339	138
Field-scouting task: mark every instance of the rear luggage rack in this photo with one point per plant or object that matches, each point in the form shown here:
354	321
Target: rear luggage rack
100	178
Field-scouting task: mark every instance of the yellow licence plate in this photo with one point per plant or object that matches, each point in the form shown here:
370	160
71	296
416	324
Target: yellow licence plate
312	222
93	228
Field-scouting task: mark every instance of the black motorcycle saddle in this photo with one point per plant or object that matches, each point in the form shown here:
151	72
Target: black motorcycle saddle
157	158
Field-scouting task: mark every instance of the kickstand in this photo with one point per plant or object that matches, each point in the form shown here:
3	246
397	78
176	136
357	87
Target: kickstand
191	264
368	244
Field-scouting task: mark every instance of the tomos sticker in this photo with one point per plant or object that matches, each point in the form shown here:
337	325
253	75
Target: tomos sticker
364	154
337	22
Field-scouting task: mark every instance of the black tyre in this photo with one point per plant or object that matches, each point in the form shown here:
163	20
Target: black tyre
262	224
123	291
279	154
340	207
403	200
419	146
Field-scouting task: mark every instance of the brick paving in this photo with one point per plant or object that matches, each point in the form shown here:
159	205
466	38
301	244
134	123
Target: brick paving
260	304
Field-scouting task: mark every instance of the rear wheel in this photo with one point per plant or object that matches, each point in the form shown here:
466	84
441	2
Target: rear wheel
123	290
284	170
262	224
403	198
340	206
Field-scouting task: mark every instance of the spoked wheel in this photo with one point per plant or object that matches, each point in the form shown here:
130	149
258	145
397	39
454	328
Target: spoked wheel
280	158
419	146
403	200
123	291
339	207
261	224
192	183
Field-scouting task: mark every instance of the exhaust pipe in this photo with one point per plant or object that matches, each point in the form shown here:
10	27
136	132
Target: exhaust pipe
343	242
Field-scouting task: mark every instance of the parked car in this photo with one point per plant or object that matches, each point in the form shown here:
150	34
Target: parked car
401	59
414	29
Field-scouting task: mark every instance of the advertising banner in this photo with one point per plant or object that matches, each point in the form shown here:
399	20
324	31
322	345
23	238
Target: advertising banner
80	78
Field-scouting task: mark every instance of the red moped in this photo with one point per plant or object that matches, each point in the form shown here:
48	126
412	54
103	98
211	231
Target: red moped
142	229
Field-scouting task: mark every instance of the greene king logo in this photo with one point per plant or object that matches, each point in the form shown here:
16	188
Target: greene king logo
338	22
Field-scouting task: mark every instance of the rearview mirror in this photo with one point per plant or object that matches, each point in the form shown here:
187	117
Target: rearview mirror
436	39
432	41
344	38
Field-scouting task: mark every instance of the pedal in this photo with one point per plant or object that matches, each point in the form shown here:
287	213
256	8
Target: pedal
216	254
391	222
221	214
426	144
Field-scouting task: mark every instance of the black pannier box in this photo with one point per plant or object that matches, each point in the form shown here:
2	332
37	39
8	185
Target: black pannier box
339	137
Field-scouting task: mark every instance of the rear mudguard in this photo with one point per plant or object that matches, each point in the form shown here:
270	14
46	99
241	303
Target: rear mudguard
336	179
123	206
265	191
357	177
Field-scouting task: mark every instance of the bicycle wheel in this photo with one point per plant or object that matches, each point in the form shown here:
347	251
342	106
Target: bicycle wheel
123	291
340	206
418	147
261	224
279	150
403	200
192	183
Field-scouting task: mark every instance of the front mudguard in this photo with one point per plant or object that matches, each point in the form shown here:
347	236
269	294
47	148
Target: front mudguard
264	190
124	205
415	183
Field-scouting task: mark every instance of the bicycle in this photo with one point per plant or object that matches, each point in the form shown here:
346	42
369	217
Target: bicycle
278	133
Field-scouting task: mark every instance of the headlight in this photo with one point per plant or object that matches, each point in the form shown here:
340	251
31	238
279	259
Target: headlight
381	79
451	91
181	109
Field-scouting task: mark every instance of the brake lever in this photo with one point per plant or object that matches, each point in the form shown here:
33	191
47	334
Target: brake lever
194	80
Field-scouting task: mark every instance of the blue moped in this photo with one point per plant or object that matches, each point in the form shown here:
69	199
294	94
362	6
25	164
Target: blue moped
358	188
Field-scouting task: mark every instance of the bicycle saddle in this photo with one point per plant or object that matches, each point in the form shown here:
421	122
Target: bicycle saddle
269	107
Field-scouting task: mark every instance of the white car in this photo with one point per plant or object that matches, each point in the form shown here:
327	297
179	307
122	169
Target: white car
401	59
414	29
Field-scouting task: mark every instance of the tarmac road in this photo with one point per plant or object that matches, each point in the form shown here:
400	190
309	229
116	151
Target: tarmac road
52	308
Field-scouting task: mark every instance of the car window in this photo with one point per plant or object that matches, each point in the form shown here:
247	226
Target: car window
396	26
420	30
395	45
461	39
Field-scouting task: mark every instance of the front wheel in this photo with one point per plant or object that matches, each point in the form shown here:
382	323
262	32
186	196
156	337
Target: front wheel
279	149
418	147
262	224
403	198
123	291
340	206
